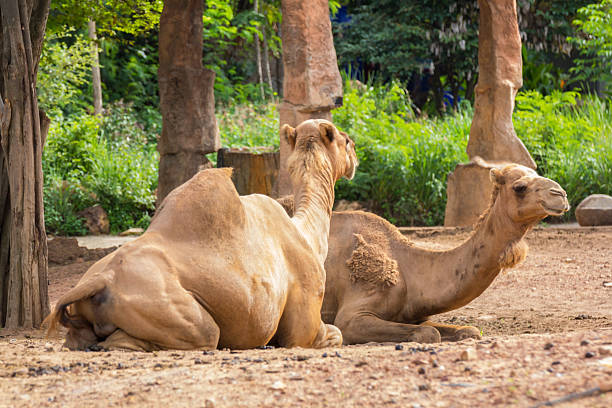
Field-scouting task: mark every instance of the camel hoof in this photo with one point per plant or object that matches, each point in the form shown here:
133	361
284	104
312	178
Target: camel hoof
426	334
466	332
333	338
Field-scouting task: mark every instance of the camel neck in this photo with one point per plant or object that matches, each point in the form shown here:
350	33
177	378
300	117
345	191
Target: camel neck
314	198
455	277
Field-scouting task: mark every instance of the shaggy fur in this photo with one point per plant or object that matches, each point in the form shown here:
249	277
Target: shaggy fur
369	264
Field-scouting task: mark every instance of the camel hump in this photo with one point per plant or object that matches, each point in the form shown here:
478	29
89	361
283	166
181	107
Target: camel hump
208	203
370	264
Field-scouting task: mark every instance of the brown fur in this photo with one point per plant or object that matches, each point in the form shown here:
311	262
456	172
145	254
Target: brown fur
218	270
369	264
429	281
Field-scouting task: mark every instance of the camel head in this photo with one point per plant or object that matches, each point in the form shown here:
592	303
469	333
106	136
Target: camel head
526	196
322	135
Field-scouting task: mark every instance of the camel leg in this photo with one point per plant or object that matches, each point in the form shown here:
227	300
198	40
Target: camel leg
120	340
301	325
364	328
450	332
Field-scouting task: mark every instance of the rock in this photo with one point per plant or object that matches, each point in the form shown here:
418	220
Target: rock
209	403
605	350
131	232
589	354
548	346
48	347
399	347
585	343
63	251
96	220
468	354
278	385
595	210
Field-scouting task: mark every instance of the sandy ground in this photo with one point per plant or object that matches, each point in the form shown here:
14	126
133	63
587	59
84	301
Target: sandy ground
547	335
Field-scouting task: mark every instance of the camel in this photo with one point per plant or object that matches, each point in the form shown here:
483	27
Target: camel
215	269
382	288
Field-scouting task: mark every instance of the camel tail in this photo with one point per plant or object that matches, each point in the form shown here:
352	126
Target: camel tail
61	314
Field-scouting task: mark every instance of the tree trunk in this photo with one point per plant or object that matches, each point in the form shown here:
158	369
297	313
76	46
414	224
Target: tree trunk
96	80
254	173
189	126
24	299
266	58
258	53
500	76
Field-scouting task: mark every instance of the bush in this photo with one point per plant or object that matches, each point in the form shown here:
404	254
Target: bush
106	161
403	162
570	140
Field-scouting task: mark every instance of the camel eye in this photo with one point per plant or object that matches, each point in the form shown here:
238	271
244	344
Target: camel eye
519	188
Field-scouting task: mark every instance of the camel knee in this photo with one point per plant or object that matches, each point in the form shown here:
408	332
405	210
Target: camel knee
80	339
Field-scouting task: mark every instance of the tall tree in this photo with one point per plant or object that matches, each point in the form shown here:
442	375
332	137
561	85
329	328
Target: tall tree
24	300
186	91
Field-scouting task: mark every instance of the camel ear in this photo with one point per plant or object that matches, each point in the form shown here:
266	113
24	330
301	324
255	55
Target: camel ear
289	134
497	177
327	132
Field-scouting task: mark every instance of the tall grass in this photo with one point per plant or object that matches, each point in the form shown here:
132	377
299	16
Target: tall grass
570	139
404	161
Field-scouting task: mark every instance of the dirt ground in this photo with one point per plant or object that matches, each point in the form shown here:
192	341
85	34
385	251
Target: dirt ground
547	337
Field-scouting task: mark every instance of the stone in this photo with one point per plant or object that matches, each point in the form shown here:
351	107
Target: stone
595	210
131	232
468	354
492	134
312	85
48	347
278	385
96	220
468	192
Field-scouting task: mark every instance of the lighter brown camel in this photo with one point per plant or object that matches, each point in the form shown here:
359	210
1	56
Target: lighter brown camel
218	270
381	287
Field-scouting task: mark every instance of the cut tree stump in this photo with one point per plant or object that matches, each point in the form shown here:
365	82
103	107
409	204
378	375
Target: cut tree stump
255	171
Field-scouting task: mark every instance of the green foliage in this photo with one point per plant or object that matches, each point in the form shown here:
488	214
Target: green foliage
541	75
570	140
403	162
111	16
595	42
230	28
90	160
64	67
399	39
129	73
248	125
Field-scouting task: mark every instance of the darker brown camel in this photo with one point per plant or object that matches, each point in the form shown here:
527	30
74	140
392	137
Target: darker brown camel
381	287
218	270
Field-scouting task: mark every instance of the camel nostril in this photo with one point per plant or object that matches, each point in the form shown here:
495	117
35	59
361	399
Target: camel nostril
556	191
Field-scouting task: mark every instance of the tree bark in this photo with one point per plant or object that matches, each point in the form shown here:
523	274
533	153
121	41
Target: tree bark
24	299
258	53
96	79
189	126
492	135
